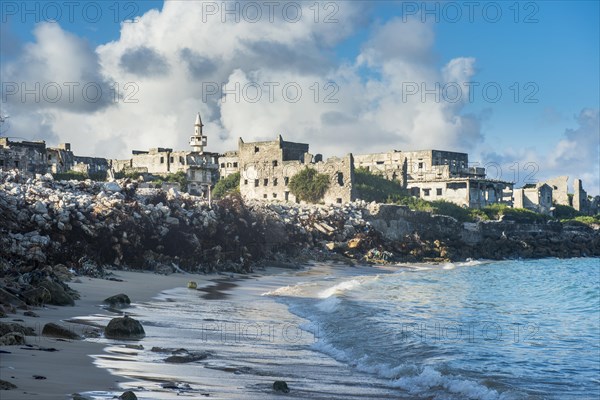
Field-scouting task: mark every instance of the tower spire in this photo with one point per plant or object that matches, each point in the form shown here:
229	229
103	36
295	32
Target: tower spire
198	140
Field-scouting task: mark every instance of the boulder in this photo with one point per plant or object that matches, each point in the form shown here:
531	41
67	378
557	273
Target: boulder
11	327
186	358
281	386
4	385
112	187
8	298
58	331
124	328
37	296
118	300
12	339
128	395
58	295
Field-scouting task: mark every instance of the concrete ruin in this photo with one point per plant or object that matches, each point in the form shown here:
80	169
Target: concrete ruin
201	167
267	167
534	197
228	164
36	158
438	175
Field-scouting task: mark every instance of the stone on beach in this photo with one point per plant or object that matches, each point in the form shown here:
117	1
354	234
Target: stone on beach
124	328
281	386
54	330
118	300
128	395
12	339
5	385
10	327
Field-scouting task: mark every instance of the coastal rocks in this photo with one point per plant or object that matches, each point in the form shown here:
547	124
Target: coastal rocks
128	395
11	327
5	385
118	300
12	339
58	295
281	386
54	330
186	357
124	328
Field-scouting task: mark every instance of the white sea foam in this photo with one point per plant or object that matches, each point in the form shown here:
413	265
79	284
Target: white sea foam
430	378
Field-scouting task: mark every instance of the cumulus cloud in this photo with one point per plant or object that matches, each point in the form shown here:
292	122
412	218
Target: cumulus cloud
576	154
144	61
161	80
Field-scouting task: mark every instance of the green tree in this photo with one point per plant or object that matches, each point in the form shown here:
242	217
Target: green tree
228	185
309	185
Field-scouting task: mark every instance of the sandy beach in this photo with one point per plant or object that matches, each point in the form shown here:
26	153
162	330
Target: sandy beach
70	369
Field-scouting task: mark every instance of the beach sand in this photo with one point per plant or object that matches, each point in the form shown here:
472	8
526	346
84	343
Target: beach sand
71	369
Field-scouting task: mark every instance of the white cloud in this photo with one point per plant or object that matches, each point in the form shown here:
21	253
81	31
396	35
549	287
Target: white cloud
170	56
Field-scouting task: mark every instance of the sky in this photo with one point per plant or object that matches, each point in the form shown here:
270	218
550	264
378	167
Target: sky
514	84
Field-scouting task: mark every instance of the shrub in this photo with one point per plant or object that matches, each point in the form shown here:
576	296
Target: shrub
372	187
453	210
414	203
309	185
565	212
227	186
71	175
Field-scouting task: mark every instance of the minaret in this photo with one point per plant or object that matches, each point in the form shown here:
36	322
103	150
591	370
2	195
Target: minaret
198	141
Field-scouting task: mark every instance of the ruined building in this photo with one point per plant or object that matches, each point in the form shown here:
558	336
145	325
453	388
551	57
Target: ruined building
36	158
534	197
25	156
228	164
439	175
267	167
201	167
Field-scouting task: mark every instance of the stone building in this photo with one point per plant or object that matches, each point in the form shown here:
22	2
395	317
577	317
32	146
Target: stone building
267	167
438	175
534	197
228	164
61	159
25	156
391	165
201	167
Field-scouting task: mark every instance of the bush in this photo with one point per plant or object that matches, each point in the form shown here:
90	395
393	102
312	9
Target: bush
71	175
453	210
495	211
178	177
584	219
227	186
565	212
414	203
309	185
372	187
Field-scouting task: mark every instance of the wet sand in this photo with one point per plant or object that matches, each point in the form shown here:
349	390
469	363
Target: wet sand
71	368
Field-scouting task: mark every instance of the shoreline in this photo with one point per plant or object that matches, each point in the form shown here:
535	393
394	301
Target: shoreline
77	371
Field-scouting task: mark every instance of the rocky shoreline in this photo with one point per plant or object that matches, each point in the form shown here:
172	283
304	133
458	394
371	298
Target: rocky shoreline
51	230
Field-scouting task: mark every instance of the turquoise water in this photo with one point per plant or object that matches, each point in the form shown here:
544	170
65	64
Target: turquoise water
512	329
478	330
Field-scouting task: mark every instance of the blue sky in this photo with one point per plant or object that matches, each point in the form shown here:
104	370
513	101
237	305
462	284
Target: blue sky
551	46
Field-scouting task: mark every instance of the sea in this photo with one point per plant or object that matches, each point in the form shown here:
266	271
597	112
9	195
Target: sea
515	329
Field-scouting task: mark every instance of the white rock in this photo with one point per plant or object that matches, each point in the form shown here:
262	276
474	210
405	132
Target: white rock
112	187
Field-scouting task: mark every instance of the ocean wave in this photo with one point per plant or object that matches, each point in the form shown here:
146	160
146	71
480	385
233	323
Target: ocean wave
345	286
430	379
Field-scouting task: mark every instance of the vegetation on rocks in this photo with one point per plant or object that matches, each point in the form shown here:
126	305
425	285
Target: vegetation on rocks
309	185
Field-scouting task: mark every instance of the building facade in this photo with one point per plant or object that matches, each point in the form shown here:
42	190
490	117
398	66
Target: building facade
201	167
267	167
438	175
534	197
